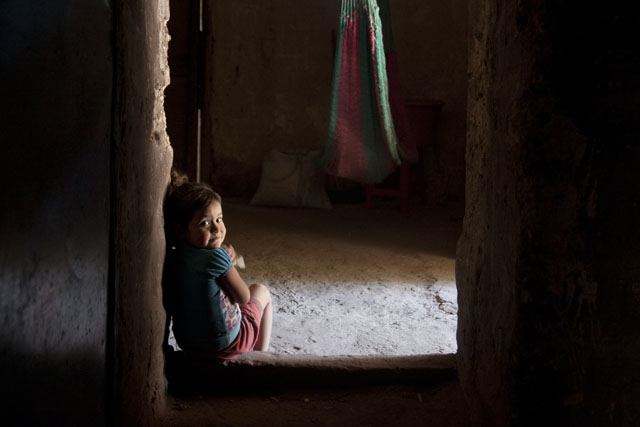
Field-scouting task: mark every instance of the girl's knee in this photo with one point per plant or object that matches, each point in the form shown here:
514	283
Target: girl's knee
259	287
261	293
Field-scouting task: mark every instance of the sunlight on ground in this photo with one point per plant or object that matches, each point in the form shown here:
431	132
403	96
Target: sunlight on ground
374	319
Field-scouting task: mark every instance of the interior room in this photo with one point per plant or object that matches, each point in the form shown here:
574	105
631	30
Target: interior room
524	202
267	79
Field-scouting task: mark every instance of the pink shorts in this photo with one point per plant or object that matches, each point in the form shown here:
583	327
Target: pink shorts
248	334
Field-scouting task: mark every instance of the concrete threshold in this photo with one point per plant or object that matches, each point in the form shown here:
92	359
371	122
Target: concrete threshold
187	374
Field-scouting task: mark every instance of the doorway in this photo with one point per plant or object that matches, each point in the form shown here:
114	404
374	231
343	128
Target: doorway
258	104
183	96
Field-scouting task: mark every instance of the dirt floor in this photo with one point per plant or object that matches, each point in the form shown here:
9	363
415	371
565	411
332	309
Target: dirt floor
391	405
350	280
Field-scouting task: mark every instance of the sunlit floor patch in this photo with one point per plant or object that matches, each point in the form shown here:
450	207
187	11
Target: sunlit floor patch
373	319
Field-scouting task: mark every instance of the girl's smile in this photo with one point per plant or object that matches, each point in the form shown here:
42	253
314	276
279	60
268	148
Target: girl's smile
206	228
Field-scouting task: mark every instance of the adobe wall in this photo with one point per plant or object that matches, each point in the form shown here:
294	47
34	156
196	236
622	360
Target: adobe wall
268	81
142	160
547	263
56	88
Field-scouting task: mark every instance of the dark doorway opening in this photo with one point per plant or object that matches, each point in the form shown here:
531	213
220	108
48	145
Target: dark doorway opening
183	96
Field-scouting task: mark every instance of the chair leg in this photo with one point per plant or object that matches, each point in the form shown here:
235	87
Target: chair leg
404	186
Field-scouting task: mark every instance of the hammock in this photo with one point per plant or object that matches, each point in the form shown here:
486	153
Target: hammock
362	144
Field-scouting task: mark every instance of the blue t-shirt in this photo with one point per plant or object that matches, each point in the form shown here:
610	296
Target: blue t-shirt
204	318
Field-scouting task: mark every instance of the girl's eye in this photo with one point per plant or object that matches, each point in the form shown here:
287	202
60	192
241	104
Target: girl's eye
204	224
218	220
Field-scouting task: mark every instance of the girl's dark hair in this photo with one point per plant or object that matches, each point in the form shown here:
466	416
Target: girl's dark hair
182	200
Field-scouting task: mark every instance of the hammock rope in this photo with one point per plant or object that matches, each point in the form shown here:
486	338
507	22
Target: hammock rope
362	144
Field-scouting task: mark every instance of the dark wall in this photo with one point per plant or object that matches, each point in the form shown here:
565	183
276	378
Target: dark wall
431	41
142	159
86	166
56	75
547	263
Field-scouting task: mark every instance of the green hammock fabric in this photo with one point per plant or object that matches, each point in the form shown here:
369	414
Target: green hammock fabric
362	144
406	139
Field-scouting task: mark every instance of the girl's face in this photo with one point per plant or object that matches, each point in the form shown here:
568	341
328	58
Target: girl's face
206	228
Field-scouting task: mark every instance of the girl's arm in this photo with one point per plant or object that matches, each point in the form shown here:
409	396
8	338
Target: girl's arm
235	286
231	251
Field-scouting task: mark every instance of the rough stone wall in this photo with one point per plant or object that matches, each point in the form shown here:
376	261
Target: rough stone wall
548	294
269	70
142	159
55	116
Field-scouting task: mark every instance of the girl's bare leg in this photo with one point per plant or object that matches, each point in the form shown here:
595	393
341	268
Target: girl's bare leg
262	294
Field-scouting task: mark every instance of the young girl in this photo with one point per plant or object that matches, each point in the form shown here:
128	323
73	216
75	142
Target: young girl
215	314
